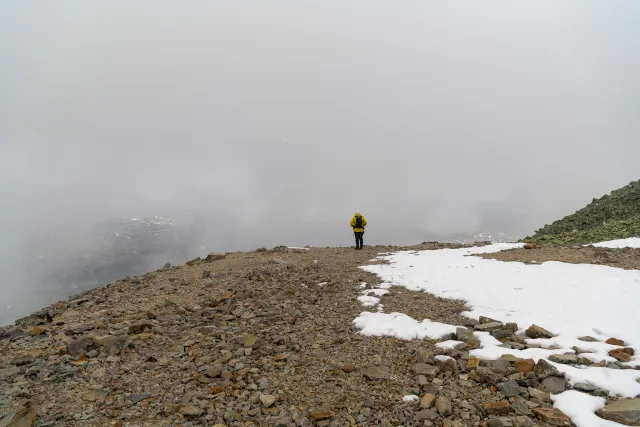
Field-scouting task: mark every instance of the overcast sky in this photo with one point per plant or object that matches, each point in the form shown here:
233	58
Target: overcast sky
279	119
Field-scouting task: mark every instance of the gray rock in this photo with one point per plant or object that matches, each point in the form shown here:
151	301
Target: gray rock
443	405
587	388
587	339
544	369
76	347
524	422
500	365
488	327
521	409
535	331
428	371
500	422
377	373
567	359
624	411
554	384
8	372
426	414
510	388
488	375
113	345
541	395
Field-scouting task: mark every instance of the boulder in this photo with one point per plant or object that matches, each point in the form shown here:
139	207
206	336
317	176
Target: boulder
497	408
427	401
554	384
624	411
428	371
544	369
443	405
614	341
525	365
566	359
214	257
488	327
620	354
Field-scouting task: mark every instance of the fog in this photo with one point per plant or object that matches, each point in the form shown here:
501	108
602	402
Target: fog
274	121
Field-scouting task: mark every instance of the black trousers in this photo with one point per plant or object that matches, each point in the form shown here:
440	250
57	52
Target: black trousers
359	235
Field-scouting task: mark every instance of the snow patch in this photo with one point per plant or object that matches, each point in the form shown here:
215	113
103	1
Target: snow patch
410	398
581	408
631	242
401	326
449	344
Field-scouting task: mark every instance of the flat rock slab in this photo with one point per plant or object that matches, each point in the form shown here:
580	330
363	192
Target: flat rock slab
377	373
625	411
552	416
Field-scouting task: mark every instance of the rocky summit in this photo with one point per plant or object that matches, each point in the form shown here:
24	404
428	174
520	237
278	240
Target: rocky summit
266	338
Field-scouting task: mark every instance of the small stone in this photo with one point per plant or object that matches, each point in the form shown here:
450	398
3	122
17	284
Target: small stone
473	362
139	328
497	408
427	370
267	400
426	414
322	414
191	411
377	373
614	341
541	395
192	261
39	330
443	405
427	400
424	356
500	422
535	331
488	375
587	388
525	365
587	339
483	320
566	359
466	336
552	416
624	411
544	369
248	340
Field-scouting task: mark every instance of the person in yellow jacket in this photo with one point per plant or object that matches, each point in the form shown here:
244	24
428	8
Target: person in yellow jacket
358	223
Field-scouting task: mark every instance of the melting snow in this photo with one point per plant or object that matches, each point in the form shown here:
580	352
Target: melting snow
631	242
570	300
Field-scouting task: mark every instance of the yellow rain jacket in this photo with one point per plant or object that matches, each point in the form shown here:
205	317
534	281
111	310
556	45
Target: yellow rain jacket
353	223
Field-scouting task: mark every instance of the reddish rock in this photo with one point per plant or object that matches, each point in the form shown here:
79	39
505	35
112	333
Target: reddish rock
322	414
473	363
497	408
525	365
614	341
530	246
620	355
552	416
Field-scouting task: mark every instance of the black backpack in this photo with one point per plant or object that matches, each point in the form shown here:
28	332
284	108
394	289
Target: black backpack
358	222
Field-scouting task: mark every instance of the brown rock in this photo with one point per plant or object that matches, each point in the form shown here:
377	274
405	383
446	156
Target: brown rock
217	389
39	330
322	414
535	331
139	328
473	362
530	246
191	411
23	416
348	368
192	261
539	394
214	257
552	416
443	405
614	341
620	355
427	400
497	408
525	365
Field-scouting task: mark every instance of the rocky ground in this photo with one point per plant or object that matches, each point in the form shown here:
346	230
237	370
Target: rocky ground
263	338
626	258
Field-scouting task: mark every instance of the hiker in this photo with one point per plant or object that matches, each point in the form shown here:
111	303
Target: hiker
358	223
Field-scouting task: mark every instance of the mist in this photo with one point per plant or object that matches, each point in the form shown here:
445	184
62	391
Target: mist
273	122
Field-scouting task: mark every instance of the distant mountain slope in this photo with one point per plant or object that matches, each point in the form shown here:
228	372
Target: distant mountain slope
613	216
